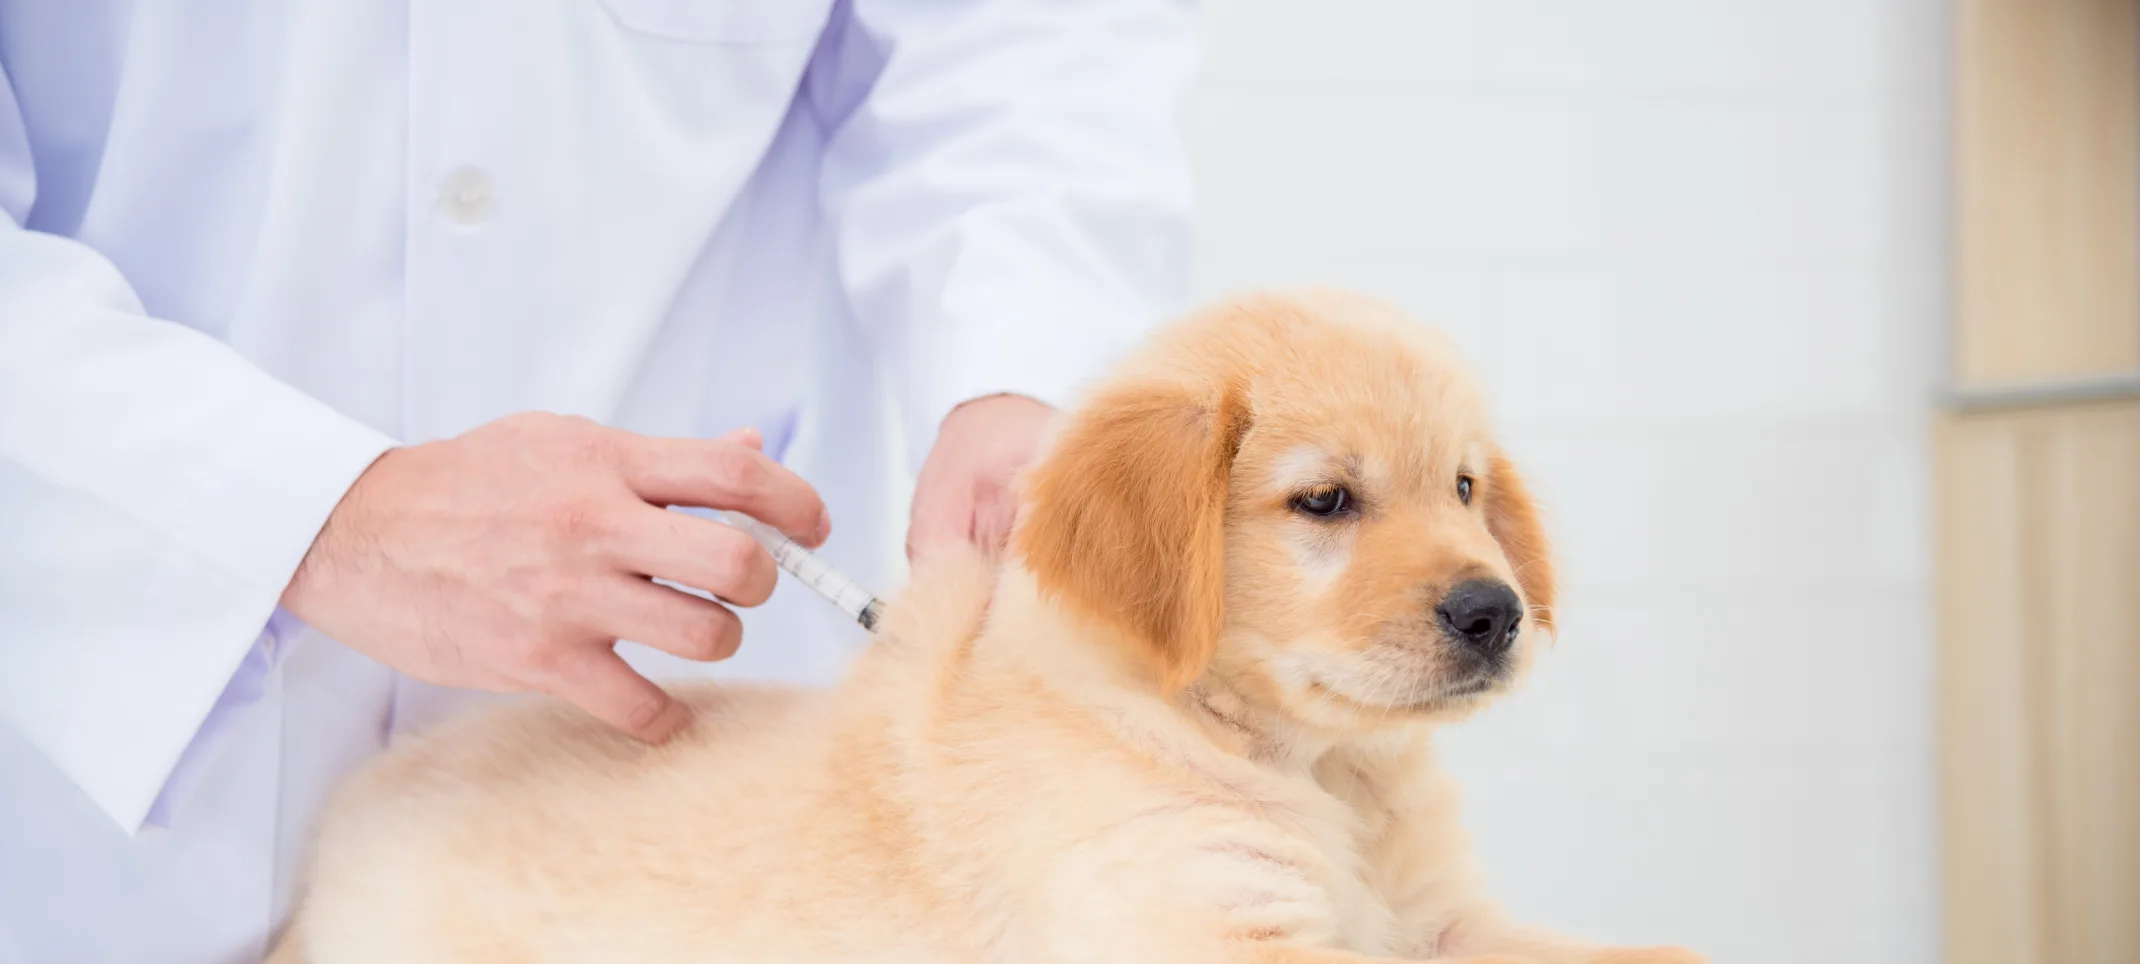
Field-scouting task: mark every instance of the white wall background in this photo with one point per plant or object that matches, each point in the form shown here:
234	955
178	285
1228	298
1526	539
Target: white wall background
1696	249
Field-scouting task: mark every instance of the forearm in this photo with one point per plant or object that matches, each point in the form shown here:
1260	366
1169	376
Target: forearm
159	490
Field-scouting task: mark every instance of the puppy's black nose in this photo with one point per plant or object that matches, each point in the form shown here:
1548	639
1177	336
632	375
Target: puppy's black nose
1481	615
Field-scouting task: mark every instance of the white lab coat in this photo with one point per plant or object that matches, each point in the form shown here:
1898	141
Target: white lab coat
249	246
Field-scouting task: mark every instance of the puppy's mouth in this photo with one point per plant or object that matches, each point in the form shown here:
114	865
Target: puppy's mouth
1458	690
1482	683
1476	684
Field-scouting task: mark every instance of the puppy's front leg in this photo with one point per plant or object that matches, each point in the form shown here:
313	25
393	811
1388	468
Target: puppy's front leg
1488	933
1421	862
1317	955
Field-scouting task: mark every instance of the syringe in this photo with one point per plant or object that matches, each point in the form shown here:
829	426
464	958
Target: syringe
816	573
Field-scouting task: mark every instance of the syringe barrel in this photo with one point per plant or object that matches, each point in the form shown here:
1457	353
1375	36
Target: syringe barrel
858	603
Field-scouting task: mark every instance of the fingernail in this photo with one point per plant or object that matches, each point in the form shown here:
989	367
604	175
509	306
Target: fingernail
824	528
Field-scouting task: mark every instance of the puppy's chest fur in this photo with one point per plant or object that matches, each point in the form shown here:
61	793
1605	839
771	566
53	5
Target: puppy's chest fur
1266	846
1344	825
1358	810
1368	809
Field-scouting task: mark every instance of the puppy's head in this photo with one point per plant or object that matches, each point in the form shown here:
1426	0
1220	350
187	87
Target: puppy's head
1300	492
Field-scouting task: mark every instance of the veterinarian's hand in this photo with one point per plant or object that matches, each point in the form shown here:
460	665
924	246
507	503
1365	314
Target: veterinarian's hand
512	558
964	489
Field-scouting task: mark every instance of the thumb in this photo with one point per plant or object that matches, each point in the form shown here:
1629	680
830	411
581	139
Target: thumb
745	436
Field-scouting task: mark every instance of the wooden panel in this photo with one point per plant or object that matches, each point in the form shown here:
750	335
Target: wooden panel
2047	116
1991	814
2091	503
2039	556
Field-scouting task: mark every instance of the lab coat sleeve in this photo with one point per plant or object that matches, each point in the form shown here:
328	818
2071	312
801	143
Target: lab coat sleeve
156	493
1006	186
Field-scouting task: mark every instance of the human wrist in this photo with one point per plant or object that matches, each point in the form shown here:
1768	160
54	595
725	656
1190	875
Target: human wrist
313	582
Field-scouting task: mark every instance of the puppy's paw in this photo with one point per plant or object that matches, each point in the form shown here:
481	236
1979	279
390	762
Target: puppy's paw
1648	955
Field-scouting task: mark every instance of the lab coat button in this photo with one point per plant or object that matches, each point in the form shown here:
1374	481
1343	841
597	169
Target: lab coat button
465	196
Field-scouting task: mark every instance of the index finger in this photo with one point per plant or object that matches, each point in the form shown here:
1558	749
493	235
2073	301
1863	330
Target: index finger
723	474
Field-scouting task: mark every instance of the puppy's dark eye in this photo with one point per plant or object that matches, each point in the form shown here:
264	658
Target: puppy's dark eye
1463	488
1323	502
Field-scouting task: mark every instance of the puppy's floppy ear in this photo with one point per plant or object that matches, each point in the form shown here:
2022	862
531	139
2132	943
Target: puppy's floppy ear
1513	519
1126	519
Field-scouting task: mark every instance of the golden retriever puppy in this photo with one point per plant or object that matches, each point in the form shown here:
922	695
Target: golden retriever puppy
1188	718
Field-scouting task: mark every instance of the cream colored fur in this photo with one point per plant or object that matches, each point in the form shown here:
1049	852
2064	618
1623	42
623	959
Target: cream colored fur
1016	771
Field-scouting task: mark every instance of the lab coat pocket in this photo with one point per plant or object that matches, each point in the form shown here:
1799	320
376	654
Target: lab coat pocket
722	21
